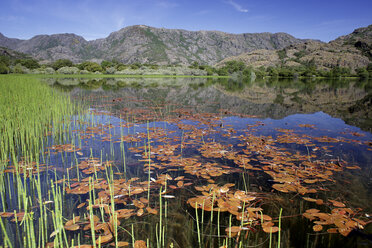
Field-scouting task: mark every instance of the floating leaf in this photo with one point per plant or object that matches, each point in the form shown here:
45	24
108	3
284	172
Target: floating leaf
73	227
337	204
140	244
233	229
271	229
317	228
120	244
332	230
102	239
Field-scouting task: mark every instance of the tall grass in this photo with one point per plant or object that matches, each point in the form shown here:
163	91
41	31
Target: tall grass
28	111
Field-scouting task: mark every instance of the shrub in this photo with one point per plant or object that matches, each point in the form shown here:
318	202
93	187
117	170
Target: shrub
62	63
362	73
282	54
19	69
3	68
49	70
106	64
5	60
84	72
28	63
68	70
110	70
90	66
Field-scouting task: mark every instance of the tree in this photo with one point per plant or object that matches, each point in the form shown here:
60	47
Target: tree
234	66
121	67
5	60
106	64
272	71
247	72
369	69
90	66
28	63
194	65
19	69
222	72
62	63
362	73
3	68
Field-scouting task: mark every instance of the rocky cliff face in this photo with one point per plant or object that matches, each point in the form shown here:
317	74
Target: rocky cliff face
9	42
149	45
352	51
12	55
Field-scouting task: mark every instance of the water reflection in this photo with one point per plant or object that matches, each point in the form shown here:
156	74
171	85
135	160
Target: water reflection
285	136
349	100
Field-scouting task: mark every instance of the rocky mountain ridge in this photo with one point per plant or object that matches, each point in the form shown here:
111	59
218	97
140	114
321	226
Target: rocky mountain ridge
146	44
352	51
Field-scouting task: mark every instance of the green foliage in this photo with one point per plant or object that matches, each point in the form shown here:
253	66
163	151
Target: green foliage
110	70
154	67
369	67
340	72
300	54
18	69
272	71
62	63
157	47
27	110
68	70
90	66
222	71
28	63
285	72
282	54
5	60
234	66
105	64
4	69
260	72
121	67
194	65
247	72
135	66
362	73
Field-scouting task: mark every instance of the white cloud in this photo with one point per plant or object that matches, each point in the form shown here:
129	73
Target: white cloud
237	6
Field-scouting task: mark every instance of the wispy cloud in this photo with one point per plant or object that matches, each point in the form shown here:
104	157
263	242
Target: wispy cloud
11	18
237	6
120	22
203	12
166	4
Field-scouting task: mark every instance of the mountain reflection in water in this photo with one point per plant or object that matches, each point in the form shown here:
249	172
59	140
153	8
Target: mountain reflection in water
349	100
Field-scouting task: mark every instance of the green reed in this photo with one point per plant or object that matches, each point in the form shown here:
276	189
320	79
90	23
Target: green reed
28	111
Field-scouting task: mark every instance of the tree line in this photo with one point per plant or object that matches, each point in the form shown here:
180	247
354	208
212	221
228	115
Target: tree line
230	68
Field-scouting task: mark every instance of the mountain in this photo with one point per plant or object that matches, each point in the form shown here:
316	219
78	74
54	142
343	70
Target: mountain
146	44
352	51
9	42
12	55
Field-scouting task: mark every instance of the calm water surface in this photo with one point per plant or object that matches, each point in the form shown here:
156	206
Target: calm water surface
289	145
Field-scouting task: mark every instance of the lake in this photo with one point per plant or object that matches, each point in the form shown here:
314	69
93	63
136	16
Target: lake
189	162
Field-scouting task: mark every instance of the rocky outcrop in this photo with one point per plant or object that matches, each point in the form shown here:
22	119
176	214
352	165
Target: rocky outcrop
352	51
12	55
146	44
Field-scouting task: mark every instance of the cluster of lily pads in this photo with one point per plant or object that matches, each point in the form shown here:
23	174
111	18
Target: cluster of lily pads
192	158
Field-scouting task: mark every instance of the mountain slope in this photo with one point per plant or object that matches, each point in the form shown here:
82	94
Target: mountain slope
12	55
146	44
352	51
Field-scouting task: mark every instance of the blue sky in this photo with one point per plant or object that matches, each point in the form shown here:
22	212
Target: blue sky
92	19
